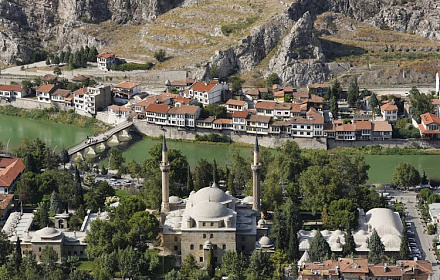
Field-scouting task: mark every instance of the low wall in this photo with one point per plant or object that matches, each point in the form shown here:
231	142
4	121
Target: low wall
26	103
266	141
109	119
392	143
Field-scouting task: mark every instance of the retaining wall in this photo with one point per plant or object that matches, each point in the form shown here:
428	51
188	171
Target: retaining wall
26	103
266	141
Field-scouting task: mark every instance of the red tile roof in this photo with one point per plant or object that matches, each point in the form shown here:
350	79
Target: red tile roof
46	88
62	92
158	108
184	109
5	200
240	114
119	108
388	107
253	92
127	85
235	102
106	55
81	91
423	130
382	126
10	168
11	88
203	86
348	127
265	105
263	119
429	118
223	121
363	125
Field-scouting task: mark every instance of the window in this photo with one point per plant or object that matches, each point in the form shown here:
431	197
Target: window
224	247
176	248
211	235
212	224
204	235
215	247
191	247
201	259
39	249
203	224
80	252
175	238
200	247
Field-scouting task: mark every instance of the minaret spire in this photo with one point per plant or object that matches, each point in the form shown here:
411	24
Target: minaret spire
256	167
165	168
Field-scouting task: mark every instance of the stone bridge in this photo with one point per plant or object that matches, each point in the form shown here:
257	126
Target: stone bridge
98	143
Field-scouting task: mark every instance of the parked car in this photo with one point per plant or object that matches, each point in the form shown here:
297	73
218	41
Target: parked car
408	224
127	181
412	245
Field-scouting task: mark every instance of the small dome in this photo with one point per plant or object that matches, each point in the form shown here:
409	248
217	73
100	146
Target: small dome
313	232
211	194
336	247
167	82
175	199
209	210
361	232
265	241
261	222
47	232
338	232
325	232
248	199
208	242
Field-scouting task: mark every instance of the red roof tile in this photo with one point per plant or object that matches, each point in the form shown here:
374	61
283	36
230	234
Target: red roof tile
81	91
235	102
223	121
388	107
429	118
265	105
11	88
119	108
10	168
158	108
381	126
240	114
106	55
5	200
184	109
127	85
203	86
46	88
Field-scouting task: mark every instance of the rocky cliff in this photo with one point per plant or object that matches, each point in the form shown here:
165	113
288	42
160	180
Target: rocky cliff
29	25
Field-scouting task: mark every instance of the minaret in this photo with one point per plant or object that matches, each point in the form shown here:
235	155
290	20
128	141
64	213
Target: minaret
165	168
256	177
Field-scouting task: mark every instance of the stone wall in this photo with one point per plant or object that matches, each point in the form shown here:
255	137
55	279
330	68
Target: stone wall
109	119
266	141
26	103
157	77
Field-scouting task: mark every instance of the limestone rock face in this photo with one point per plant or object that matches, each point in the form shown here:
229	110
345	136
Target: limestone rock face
299	60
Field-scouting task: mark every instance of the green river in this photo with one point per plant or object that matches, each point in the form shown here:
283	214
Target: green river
57	135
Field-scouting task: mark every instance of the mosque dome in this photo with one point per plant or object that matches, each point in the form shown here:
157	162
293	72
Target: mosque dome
209	210
212	194
175	199
47	232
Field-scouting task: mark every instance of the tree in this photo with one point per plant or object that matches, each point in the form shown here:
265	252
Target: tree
272	79
79	274
236	84
339	213
55	203
49	256
234	264
261	266
280	259
134	169
144	227
189	266
349	246
27	187
189	181
77	198
116	158
319	249
210	264
64	157
406	175
41	217
278	230
91	56
404	251
353	92
334	108
294	224
202	174
373	103
376	247
5	247
99	238
174	275
57	71
336	89
127	262
421	103
215	110
424	180
160	55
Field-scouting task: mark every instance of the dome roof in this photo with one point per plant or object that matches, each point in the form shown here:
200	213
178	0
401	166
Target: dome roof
209	210
385	221
336	246
174	199
265	241
325	232
209	194
47	232
304	245
208	242
248	199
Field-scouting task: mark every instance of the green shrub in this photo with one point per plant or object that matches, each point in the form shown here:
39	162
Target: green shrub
132	66
212	137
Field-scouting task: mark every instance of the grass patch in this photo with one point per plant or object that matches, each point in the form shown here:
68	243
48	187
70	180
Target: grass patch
121	193
228	29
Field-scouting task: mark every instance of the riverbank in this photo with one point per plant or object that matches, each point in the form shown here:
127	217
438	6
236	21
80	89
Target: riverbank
68	117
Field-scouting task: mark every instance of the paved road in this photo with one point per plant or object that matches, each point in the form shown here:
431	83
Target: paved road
424	240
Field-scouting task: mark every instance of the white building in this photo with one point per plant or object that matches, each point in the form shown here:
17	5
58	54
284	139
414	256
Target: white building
92	99
239	120
184	115
44	93
389	111
12	91
207	92
125	91
233	105
105	60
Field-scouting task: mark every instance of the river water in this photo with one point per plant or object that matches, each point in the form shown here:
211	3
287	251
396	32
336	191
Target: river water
57	135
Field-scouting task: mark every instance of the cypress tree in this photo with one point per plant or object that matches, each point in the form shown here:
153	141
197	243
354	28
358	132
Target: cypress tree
210	265
214	172
349	246
319	249
376	247
55	203
334	108
17	257
404	251
278	230
293	224
189	181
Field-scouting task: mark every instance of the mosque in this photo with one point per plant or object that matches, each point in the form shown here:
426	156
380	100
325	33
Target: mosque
212	218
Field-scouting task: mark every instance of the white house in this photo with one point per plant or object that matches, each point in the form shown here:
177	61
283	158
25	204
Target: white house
258	124
233	105
265	108
207	92
105	60
429	126
60	96
91	99
12	91
437	82
118	111
125	91
311	126
157	113
239	120
44	93
389	111
184	115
